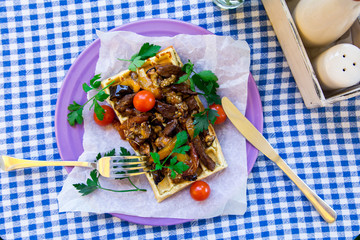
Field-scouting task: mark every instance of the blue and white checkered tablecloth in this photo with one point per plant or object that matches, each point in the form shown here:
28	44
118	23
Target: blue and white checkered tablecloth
39	42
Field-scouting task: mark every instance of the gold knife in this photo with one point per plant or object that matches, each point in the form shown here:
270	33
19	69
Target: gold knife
249	131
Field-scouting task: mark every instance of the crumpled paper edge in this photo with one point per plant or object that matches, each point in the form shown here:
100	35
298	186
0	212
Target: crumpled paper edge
81	207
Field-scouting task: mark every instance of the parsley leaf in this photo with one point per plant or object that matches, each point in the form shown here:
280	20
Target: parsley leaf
201	120
188	69
173	174
101	96
208	76
173	161
136	63
179	148
180	167
99	111
75	117
94	178
93	183
107	154
206	81
74	106
146	51
213	98
181	139
182	150
198	82
110	153
212	114
124	152
156	158
94	81
177	167
75	114
86	87
84	189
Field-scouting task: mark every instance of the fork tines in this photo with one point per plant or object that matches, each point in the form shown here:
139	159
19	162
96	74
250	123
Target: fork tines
127	167
126	164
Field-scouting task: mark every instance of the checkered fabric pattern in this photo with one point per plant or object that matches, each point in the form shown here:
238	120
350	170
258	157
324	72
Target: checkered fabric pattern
39	42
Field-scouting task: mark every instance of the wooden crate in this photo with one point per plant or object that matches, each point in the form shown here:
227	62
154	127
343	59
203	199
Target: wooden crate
279	13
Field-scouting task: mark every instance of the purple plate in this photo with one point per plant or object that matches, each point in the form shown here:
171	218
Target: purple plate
69	139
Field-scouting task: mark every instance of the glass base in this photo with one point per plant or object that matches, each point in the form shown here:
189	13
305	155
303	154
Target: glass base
228	4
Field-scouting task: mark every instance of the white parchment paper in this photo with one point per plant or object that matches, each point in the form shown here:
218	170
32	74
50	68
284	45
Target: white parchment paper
229	59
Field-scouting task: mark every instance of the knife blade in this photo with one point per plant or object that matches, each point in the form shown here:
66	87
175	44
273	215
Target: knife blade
249	131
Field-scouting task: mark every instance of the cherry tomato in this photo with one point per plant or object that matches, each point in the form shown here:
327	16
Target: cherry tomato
220	111
200	190
109	116
144	101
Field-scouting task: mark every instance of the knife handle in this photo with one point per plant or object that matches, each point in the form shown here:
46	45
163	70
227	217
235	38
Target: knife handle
248	130
327	213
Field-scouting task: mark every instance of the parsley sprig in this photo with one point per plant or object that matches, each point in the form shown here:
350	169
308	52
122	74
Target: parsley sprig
93	183
137	60
174	165
76	110
206	81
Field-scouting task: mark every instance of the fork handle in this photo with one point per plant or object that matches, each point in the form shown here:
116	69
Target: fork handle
327	213
10	163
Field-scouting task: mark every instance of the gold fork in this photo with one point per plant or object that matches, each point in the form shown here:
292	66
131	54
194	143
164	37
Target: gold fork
111	167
